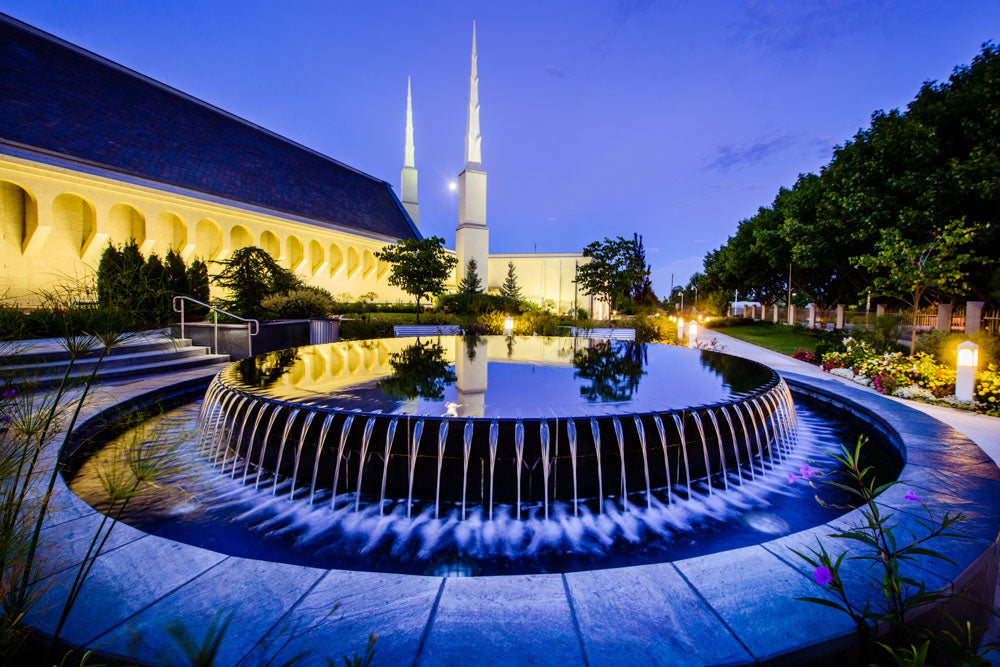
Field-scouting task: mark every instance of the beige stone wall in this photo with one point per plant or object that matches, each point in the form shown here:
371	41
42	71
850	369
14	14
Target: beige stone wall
545	279
55	221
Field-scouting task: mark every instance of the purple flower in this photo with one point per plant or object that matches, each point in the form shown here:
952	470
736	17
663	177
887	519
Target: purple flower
9	393
910	496
822	575
806	471
791	478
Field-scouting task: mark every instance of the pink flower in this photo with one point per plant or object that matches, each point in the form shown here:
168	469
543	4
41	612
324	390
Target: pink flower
910	496
806	471
791	478
822	575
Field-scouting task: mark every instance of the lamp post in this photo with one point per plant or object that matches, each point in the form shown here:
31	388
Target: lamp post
965	372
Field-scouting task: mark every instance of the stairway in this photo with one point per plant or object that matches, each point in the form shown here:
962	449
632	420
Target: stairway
43	363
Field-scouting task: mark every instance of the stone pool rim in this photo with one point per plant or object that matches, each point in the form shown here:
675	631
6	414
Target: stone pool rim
586	617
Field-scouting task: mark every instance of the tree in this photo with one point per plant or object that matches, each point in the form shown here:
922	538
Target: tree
612	271
510	288
471	284
419	267
642	285
908	269
250	275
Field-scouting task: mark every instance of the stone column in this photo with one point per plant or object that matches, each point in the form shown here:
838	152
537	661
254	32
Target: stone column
840	316
791	313
775	315
812	315
880	310
973	317
943	317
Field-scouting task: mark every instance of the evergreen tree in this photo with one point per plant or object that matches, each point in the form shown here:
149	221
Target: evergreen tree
176	273
109	275
153	290
251	275
510	288
197	280
471	284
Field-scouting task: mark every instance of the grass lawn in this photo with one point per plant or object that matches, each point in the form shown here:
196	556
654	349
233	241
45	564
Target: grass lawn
779	340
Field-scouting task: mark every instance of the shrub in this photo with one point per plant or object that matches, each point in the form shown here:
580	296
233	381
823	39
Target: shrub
478	303
251	275
943	346
301	303
804	355
654	330
987	389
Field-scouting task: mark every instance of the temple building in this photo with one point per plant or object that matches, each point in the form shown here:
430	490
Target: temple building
93	153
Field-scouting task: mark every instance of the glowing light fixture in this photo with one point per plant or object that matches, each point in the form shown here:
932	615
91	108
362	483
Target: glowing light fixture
508	326
692	333
965	373
452	185
680	328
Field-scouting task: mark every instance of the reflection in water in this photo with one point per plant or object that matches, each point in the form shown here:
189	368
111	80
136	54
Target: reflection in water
265	370
613	368
418	370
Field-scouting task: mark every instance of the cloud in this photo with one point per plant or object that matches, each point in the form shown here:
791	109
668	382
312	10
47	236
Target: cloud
556	70
730	156
798	27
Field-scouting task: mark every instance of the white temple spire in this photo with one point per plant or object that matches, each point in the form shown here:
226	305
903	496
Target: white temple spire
473	140
408	176
408	160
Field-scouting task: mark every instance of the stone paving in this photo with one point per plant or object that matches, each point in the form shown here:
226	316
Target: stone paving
733	607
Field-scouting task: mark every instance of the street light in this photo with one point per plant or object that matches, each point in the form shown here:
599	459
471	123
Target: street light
965	372
692	333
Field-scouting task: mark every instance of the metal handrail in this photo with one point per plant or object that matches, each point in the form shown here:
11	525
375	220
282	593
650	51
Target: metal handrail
253	326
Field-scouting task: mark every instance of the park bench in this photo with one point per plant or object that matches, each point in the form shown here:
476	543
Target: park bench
613	334
408	330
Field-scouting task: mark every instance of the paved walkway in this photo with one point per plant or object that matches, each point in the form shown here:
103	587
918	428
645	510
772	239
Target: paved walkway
981	429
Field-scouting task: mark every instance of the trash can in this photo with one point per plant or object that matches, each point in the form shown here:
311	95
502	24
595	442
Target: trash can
326	330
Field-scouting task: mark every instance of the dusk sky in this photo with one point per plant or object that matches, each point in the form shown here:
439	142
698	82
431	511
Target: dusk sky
674	120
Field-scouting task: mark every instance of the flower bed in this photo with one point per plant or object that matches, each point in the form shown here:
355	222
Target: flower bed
920	377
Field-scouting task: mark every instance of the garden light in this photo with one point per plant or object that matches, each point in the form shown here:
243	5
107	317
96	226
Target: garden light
965	373
508	326
680	328
692	333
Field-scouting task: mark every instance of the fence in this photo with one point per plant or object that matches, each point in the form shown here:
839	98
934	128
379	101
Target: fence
926	320
991	321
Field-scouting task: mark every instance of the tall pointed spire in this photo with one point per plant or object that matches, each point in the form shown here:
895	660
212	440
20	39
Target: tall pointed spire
408	151
473	140
408	176
472	237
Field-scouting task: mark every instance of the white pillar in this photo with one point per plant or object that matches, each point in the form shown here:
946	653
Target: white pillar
943	317
791	313
840	316
880	310
812	315
973	317
775	315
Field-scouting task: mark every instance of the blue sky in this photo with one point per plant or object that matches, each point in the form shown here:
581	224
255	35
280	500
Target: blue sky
674	120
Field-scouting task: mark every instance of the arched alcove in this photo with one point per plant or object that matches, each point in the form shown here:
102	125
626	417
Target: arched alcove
352	261
239	237
293	250
336	258
269	242
315	256
169	232
367	263
126	224
18	212
73	222
207	239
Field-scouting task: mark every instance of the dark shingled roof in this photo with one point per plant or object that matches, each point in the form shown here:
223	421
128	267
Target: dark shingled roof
64	100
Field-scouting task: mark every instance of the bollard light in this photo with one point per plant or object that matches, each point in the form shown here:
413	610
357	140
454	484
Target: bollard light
508	326
965	373
692	333
680	329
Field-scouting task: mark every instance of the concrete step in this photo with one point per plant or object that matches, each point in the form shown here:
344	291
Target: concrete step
14	354
136	370
128	357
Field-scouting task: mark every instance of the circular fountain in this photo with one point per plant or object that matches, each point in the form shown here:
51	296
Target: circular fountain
476	422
